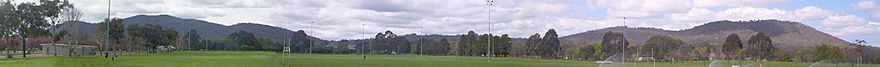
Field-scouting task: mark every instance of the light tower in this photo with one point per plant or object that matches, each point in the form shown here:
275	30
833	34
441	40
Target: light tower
624	40
107	29
489	52
421	43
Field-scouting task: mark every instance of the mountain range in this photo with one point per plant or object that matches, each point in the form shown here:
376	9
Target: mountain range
207	30
784	34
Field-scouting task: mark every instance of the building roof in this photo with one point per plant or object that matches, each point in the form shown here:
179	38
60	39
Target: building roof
60	44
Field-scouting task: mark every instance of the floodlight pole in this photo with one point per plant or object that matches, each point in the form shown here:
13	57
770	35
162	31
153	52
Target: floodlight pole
421	43
363	42
107	29
489	45
310	42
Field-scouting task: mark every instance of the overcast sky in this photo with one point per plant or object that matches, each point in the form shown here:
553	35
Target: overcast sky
354	19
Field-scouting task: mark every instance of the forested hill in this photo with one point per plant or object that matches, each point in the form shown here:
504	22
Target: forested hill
784	34
206	30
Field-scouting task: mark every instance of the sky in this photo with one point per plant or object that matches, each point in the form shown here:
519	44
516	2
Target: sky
357	19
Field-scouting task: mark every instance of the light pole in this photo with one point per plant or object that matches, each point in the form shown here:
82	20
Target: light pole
107	29
310	42
364	42
489	45
421	43
624	39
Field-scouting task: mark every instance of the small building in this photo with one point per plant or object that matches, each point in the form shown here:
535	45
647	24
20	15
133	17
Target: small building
645	59
166	48
67	50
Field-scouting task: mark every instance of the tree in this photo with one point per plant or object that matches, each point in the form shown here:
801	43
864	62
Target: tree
573	52
389	43
431	47
419	47
660	45
613	43
701	52
454	49
267	44
805	54
144	35
549	47
731	45
532	44
193	38
597	50
8	20
586	52
479	47
116	30
501	45
243	41
465	42
378	43
171	37
301	42
61	34
861	46
828	52
444	47
31	19
401	44
68	14
782	55
760	46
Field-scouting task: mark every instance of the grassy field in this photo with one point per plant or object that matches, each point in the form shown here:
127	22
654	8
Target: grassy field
270	59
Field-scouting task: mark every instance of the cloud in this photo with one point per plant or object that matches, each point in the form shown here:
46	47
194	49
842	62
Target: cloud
339	19
869	5
850	24
650	8
225	12
533	9
837	24
812	13
865	5
643	8
735	3
749	13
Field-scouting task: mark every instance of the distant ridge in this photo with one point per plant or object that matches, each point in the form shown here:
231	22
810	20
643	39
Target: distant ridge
207	30
785	34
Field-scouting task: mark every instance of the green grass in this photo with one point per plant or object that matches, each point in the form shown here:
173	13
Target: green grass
270	59
177	59
319	60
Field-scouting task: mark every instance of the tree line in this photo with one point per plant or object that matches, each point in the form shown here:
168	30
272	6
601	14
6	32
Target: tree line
469	44
543	47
